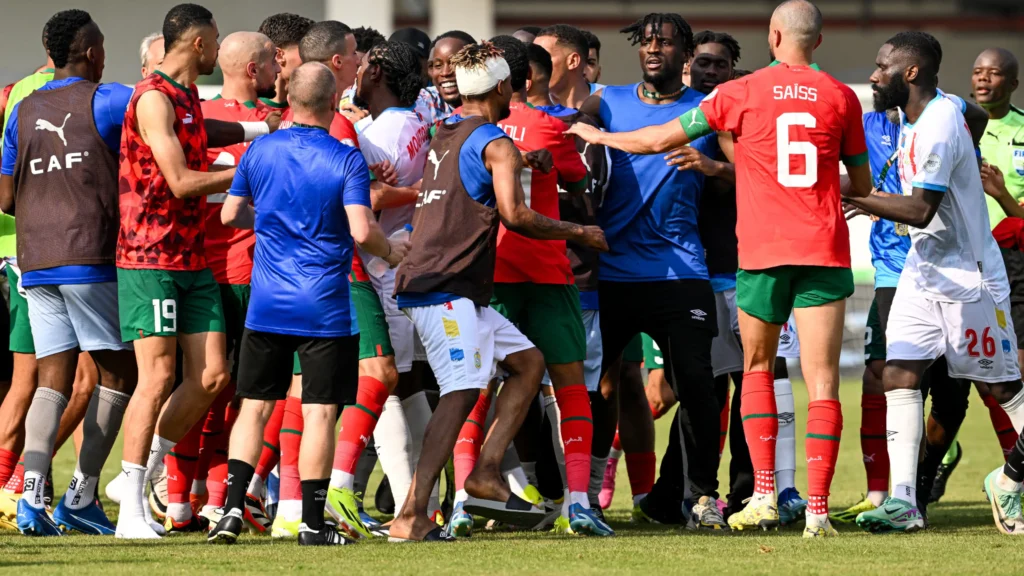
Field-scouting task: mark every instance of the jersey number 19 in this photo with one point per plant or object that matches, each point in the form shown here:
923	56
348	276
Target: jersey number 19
786	149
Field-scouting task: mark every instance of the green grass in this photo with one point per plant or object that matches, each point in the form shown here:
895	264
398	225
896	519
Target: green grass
962	539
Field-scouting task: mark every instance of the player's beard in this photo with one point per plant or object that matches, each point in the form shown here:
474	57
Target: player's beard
895	94
359	101
662	77
268	92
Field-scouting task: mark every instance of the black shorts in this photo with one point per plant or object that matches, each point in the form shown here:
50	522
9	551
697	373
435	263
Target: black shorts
1013	260
330	367
884	298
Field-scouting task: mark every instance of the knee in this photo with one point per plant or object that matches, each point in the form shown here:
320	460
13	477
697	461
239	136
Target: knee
1005	391
382	369
215	380
528	364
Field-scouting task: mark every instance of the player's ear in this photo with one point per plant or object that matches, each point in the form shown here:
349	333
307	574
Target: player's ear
573	61
818	43
197	44
336	62
911	73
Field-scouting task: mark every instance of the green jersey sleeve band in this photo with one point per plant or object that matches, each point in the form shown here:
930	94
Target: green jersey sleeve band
858	160
695	124
577	187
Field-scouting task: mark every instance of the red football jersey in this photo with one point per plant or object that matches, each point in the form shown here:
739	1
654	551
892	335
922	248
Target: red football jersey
158	230
521	259
228	249
791	125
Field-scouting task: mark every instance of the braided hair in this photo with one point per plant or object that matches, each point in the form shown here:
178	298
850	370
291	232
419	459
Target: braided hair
400	67
475	55
730	43
655	21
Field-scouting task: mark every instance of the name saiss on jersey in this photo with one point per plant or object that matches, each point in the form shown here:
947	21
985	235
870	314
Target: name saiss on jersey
70	159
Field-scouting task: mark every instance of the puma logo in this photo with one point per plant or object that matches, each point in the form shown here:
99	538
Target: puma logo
46	125
364	439
695	120
432	157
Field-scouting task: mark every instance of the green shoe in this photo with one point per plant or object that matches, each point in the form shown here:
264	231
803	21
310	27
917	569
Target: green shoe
849	516
343	506
894	515
638	516
562	526
1006	507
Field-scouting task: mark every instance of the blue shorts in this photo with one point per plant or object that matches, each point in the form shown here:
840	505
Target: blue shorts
68	316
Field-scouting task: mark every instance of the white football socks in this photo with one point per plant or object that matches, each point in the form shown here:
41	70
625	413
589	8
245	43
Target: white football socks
904	422
785	444
394	449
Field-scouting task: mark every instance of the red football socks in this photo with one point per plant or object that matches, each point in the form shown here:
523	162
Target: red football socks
761	427
872	441
471	436
1001	424
824	428
641	470
577	435
723	425
291	438
358	422
181	465
271	453
8	462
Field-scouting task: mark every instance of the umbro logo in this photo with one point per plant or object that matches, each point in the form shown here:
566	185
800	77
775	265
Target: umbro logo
698	314
786	418
985	363
890	434
321	493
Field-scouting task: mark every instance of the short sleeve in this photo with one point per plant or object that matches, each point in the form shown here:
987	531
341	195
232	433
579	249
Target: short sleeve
567	160
110	104
854	149
723	107
934	157
10	146
356	188
240	183
343	131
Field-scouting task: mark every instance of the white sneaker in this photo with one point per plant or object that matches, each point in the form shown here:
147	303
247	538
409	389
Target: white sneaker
135	529
114	488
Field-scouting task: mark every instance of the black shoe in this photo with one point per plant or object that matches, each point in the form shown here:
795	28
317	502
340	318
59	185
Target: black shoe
323	537
595	507
942	476
193	525
383	500
227	530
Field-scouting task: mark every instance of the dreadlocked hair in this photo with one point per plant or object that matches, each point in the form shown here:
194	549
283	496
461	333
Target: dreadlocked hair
475	55
730	43
655	20
401	69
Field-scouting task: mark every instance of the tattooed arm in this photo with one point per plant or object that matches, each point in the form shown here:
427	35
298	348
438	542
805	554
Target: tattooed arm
505	164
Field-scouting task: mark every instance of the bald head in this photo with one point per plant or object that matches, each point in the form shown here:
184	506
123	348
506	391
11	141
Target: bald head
799	22
240	49
1000	58
312	90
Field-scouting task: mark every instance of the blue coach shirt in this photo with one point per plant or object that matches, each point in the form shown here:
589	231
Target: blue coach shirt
649	213
108	106
300	181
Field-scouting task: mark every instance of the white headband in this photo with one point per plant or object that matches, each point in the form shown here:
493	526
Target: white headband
481	79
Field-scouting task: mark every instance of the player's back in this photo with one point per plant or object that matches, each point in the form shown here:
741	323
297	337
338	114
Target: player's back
955	255
792	125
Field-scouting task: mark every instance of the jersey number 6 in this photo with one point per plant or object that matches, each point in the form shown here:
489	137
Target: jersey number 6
787	149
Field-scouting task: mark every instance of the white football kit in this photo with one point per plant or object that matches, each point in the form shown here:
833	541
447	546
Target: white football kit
953	294
401	137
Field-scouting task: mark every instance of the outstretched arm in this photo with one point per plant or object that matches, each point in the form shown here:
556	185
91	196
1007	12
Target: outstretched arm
505	164
155	117
917	210
649	140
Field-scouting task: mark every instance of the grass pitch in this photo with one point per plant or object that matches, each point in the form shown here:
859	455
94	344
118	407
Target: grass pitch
962	538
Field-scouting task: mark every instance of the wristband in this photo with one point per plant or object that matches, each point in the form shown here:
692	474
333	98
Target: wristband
254	130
